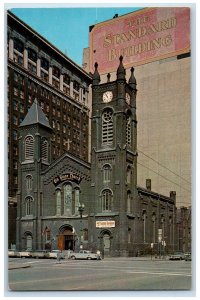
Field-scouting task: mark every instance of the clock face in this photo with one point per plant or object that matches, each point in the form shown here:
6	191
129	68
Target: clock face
128	98
107	96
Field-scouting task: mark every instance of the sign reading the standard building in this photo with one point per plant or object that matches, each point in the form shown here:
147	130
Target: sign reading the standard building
105	224
140	37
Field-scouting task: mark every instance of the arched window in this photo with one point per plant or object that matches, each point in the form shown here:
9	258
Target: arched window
128	130
106	199
58	202
44	150
28	183
67	199
128	202
107	127
76	201
128	175
106	173
29	147
129	235
85	234
29	206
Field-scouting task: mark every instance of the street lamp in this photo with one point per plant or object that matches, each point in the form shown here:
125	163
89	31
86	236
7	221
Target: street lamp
81	210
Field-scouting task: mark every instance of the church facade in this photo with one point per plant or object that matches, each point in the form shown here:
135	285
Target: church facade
72	204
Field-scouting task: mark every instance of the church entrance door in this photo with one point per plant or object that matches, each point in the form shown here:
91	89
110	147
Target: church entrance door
66	239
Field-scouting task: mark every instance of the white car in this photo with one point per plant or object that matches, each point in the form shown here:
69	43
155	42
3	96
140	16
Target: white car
84	254
55	253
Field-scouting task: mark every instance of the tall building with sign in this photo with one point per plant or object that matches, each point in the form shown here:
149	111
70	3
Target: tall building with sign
156	41
70	204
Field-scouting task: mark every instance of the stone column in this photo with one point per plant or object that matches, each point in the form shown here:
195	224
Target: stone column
61	81
25	56
71	88
81	94
38	66
11	47
50	74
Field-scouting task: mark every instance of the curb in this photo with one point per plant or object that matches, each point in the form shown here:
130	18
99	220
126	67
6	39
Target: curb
18	266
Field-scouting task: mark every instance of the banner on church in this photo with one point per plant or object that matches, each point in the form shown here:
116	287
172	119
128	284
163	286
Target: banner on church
140	37
68	176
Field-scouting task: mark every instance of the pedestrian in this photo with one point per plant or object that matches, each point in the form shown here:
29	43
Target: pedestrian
58	258
98	255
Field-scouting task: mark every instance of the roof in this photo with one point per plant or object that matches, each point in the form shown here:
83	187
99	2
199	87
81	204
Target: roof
35	115
42	39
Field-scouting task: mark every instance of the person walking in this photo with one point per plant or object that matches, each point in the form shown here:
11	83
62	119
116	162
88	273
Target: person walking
58	258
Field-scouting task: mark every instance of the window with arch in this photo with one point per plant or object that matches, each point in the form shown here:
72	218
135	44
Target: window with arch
106	199
29	147
67	199
76	200
44	150
128	201
28	183
58	202
107	127
29	206
85	234
128	175
128	130
106	173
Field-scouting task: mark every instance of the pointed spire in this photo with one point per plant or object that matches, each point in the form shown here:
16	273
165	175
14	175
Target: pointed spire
132	80
96	76
35	115
108	77
121	71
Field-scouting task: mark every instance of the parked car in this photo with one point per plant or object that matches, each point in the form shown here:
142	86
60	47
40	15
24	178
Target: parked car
177	256
54	254
25	253
13	253
83	254
188	256
39	254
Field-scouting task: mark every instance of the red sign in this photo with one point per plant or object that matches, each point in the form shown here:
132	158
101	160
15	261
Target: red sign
140	37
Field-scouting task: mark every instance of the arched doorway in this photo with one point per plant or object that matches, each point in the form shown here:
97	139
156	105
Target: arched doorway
105	242
28	241
66	238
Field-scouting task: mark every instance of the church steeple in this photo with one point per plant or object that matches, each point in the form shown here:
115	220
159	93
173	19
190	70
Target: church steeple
121	73
35	115
96	77
132	81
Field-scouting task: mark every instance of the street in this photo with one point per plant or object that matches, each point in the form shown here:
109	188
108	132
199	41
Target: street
115	274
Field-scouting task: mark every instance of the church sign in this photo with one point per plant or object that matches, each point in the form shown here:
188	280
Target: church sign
105	224
68	176
141	37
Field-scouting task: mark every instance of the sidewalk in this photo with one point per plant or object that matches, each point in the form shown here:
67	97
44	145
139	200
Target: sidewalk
139	258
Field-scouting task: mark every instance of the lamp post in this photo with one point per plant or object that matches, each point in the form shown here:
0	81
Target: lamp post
81	210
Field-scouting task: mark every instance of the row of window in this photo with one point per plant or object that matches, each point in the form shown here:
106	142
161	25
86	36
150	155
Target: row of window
44	64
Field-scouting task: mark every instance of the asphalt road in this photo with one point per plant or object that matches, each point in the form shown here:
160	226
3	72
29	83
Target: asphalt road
118	274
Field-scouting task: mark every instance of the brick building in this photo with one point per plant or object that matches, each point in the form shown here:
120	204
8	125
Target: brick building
70	203
38	70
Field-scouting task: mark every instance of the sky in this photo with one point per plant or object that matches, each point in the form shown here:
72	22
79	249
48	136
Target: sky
68	28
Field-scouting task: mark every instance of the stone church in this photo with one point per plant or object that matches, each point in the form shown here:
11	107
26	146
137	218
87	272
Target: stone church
73	204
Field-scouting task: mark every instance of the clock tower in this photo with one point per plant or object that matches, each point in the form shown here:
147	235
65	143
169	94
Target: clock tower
113	162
